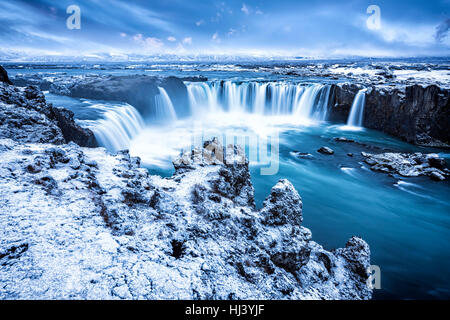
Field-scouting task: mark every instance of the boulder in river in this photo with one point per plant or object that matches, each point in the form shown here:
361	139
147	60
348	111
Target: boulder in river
408	164
325	150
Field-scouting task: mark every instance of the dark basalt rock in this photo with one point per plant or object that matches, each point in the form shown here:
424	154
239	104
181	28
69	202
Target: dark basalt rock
415	114
325	150
138	90
71	130
4	76
283	205
437	162
195	79
344	139
436	176
355	252
341	101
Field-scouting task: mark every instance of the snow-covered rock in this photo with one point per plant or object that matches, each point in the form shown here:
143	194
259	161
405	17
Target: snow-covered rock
25	116
408	164
80	223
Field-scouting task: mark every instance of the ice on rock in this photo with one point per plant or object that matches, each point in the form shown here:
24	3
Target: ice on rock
109	230
283	205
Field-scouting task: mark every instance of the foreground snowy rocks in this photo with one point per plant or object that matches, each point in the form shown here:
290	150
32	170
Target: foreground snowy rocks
80	223
25	116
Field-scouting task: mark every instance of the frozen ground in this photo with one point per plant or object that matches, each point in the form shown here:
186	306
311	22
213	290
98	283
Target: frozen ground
83	224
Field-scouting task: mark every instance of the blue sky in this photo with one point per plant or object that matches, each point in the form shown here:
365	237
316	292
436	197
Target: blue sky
252	27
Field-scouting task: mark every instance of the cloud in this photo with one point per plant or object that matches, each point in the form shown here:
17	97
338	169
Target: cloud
416	35
245	9
231	32
442	30
215	37
149	43
294	26
139	14
187	40
153	42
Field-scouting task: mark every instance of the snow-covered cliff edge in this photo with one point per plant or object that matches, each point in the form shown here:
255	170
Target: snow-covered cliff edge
80	223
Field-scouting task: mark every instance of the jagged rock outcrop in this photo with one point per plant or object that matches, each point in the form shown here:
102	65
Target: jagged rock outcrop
79	223
25	116
71	130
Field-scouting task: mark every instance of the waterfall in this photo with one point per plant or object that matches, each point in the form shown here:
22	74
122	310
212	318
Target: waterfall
355	117
119	125
264	98
322	104
122	123
309	101
202	97
164	109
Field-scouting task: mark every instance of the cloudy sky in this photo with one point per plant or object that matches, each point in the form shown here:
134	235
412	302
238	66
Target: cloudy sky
251	27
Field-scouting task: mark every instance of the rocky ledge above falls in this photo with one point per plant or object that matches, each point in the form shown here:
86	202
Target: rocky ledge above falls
415	114
84	224
137	90
26	117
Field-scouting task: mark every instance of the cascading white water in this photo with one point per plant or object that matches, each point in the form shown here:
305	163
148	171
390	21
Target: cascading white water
164	109
355	117
202	97
119	125
269	98
321	110
308	100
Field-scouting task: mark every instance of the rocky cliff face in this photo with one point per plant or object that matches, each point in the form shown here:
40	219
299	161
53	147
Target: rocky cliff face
25	116
341	99
81	223
4	76
137	90
416	114
419	115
